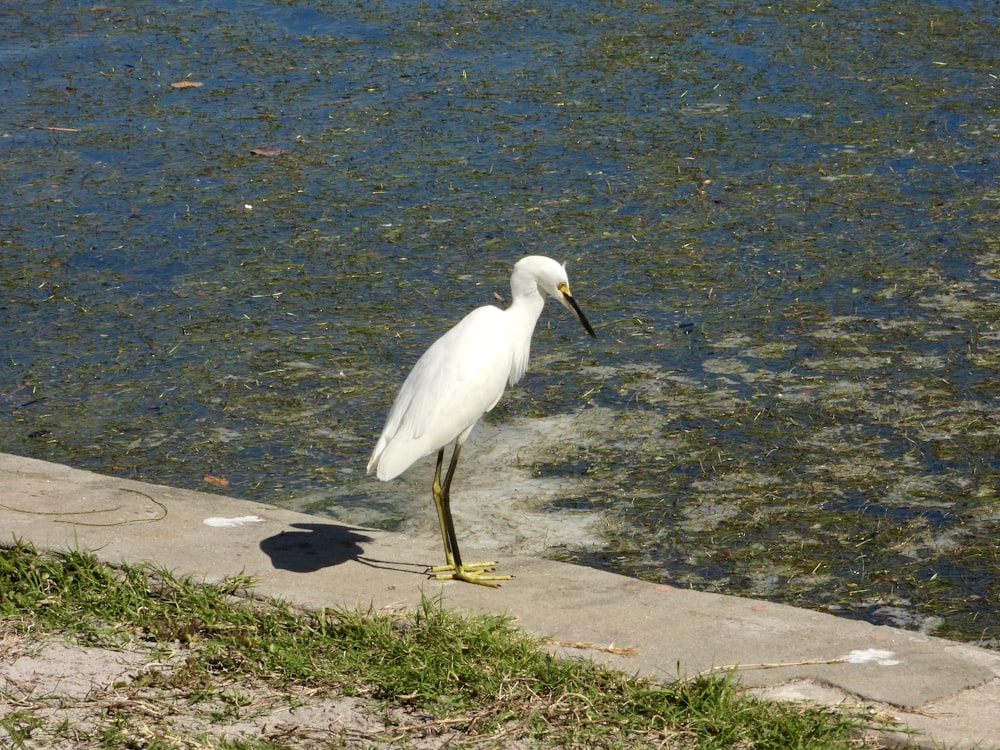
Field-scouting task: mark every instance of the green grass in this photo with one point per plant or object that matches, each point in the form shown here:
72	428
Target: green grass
478	678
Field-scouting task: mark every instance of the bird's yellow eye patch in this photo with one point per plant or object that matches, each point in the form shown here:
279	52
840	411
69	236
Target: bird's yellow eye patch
563	287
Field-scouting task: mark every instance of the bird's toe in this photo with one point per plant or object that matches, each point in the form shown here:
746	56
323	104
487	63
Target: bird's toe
470	573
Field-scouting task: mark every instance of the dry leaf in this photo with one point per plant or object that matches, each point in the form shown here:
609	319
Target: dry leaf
269	151
186	85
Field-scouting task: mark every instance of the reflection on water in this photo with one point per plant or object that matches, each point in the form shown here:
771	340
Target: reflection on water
784	220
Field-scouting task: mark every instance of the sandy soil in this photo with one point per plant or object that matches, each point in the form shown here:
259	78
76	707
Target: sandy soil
57	694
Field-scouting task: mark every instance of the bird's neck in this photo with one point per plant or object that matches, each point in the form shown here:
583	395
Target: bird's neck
526	306
523	313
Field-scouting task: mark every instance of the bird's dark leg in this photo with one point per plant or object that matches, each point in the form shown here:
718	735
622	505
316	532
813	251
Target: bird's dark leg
448	523
469	572
439	503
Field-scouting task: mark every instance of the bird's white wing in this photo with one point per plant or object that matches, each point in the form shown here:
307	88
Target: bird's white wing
460	377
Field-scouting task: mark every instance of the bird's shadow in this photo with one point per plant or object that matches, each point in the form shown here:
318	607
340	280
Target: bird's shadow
314	546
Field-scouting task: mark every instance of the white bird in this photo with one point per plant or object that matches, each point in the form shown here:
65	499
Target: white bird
458	379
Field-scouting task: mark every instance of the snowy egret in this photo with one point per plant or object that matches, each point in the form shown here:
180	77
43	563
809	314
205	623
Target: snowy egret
458	379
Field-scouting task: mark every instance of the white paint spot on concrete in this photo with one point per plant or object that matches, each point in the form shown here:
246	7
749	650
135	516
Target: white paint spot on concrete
229	523
866	655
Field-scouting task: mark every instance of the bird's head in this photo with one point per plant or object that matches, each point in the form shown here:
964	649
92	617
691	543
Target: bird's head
550	277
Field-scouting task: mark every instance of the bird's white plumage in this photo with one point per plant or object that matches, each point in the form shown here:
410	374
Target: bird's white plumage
463	374
457	380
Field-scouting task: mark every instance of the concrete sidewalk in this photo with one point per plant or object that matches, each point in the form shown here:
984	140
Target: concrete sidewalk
946	692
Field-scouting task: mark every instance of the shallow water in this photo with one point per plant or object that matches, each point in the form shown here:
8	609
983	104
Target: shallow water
782	220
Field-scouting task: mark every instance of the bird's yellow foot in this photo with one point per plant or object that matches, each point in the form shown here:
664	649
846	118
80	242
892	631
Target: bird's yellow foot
470	573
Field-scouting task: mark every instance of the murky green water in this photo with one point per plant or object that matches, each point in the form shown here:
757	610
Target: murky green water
783	220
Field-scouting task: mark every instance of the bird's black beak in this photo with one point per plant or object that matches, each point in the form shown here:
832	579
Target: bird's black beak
571	304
